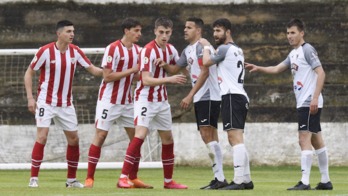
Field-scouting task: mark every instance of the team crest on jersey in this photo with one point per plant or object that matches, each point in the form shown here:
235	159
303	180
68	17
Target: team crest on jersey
109	59
73	60
190	61
219	80
146	60
298	86
53	61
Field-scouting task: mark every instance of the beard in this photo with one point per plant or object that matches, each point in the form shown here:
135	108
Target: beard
220	40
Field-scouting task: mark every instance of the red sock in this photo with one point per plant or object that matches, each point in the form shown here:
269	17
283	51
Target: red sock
168	160
134	172
72	157
93	158
36	158
133	151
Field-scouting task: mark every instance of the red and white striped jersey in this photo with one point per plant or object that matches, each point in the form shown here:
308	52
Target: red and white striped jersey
118	58
148	55
57	72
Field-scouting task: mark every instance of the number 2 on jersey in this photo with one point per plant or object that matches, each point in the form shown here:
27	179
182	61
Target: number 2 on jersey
240	65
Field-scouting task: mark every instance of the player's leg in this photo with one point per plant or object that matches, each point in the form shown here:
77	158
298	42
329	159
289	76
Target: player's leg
106	114
321	151
306	149
234	111
143	114
67	120
163	123
207	115
43	116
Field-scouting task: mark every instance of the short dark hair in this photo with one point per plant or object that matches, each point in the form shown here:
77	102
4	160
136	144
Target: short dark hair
198	21
223	22
129	23
163	21
297	23
63	23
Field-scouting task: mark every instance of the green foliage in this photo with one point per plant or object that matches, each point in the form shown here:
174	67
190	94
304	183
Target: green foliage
268	181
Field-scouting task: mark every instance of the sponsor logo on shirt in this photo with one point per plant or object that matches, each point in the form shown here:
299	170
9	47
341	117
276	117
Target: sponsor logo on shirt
298	86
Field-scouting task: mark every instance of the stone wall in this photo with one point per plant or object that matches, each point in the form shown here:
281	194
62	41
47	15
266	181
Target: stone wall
258	28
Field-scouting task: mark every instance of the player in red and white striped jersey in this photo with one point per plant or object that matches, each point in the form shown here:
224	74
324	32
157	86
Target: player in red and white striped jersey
151	104
115	98
57	62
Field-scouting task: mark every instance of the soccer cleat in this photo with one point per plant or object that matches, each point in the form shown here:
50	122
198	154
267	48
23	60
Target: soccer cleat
173	185
300	186
210	184
33	183
324	186
123	183
74	184
89	183
249	185
233	186
137	183
219	184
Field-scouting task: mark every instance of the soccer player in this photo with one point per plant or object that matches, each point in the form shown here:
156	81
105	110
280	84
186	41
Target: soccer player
205	94
229	59
57	62
151	103
308	80
115	101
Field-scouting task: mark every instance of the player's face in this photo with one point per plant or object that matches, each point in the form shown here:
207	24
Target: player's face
133	34
295	36
66	34
191	31
219	35
163	35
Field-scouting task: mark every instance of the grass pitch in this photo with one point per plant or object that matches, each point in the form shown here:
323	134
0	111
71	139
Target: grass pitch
267	180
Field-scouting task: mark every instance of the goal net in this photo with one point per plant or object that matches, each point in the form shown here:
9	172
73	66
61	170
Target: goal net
18	129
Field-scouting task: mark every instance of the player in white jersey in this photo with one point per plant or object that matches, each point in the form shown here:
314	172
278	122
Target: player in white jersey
205	94
57	62
308	81
229	59
115	102
151	103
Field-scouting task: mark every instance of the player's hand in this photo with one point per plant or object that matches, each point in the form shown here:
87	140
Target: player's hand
251	67
313	108
136	68
204	42
185	102
177	79
159	62
32	105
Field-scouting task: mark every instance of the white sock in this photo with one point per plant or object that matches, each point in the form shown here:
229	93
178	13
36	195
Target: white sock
167	180
306	164
239	153
247	177
323	162
71	179
215	155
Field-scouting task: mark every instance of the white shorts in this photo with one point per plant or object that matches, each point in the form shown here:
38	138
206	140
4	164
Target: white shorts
156	115
63	117
107	113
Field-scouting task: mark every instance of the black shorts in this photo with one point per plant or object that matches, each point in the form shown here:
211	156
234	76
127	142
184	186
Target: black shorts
308	122
207	113
234	109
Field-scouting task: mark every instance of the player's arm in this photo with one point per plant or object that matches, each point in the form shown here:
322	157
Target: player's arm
96	71
171	69
185	102
319	87
110	76
28	83
148	80
207	62
268	70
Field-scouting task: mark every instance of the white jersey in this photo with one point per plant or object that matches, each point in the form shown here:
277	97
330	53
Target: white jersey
118	58
302	61
230	65
57	73
192	57
148	55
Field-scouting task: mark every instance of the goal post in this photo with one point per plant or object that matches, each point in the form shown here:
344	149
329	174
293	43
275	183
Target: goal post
14	63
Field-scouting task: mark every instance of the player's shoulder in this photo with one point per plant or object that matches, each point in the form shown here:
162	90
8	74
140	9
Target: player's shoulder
307	47
47	46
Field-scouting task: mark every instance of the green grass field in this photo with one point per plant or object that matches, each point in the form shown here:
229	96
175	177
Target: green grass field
268	181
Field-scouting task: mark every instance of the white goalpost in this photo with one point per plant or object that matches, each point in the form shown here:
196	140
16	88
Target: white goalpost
17	154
